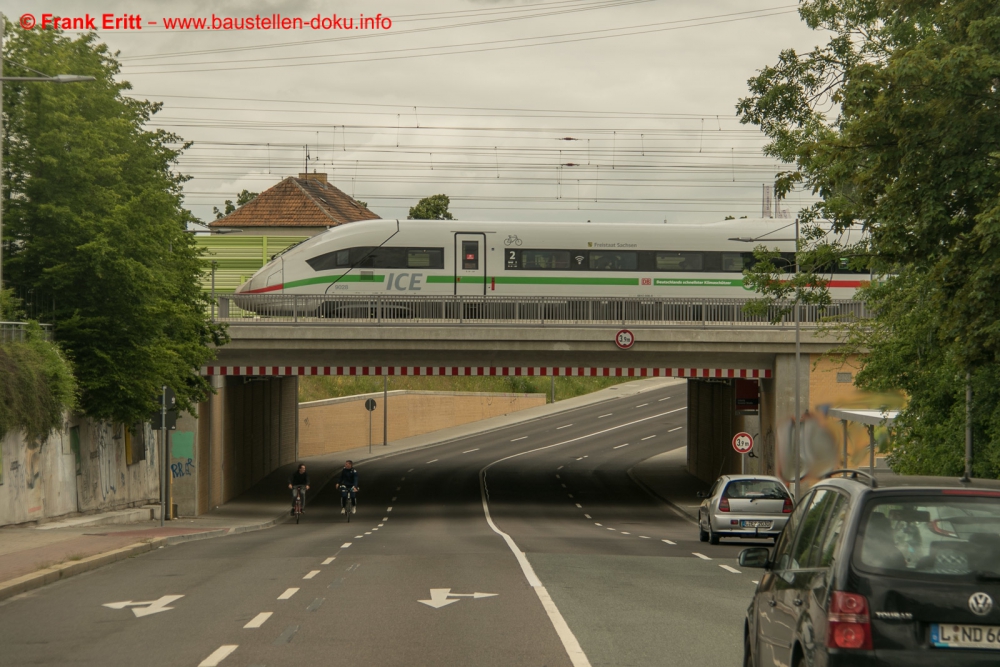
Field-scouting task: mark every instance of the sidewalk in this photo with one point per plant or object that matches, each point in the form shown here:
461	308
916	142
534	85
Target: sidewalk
33	556
665	477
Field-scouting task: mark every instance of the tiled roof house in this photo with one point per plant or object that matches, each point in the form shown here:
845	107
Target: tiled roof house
303	206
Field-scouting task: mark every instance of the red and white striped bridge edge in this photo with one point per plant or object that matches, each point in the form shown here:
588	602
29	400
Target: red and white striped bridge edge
541	371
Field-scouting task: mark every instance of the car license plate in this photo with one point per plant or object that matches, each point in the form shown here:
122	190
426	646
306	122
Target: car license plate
950	635
749	523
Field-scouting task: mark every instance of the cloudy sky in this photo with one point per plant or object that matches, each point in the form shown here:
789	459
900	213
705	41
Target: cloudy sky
603	110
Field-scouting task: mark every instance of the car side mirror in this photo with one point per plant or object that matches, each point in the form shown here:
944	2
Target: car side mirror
755	557
701	494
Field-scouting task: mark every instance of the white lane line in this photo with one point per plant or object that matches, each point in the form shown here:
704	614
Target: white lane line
663	399
598	524
588	516
644	537
345	545
642	406
359	537
610	528
385	518
411	470
469	451
259	619
388	509
328	560
579	506
620	446
373	529
756	582
380	525
673	544
218	655
368	533
558	477
607	415
559	428
559	468
576	655
563	485
730	569
288	593
523	437
675	429
569	495
432	461
624	533
701	556
649	437
312	574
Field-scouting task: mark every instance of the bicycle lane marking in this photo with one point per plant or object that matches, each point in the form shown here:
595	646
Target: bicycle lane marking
570	643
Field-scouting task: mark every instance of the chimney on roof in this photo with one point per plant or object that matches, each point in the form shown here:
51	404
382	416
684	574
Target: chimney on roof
321	177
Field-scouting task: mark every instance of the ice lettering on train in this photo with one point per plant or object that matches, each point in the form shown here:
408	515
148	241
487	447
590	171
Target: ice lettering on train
398	282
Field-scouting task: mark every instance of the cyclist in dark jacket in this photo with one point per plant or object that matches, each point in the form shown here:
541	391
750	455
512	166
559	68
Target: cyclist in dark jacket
299	481
348	486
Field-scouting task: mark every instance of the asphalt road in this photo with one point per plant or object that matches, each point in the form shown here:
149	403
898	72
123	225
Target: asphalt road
583	567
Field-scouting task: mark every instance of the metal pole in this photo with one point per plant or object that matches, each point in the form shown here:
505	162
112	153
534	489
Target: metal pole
553	388
166	461
370	431
844	423
968	427
796	436
385	410
871	450
213	289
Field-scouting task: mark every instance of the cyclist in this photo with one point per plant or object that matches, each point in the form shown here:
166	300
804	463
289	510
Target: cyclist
348	486
299	483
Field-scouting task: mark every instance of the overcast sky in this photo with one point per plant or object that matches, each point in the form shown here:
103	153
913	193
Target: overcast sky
603	110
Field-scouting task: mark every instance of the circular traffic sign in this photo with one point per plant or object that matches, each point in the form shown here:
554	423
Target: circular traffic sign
743	442
624	339
370	404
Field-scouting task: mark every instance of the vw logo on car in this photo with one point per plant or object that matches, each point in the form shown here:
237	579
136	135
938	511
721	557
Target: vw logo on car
980	604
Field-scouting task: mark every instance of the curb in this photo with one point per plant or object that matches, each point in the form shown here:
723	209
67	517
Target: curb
50	575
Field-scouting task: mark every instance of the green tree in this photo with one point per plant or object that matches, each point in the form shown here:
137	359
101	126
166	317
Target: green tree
895	125
96	229
434	207
243	197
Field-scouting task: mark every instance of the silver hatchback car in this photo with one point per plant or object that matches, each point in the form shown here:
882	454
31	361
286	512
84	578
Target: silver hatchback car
747	506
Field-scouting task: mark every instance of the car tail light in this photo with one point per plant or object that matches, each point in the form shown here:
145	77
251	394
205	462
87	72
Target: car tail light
724	505
848	623
787	507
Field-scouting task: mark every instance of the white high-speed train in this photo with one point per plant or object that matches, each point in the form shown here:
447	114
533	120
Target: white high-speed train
440	257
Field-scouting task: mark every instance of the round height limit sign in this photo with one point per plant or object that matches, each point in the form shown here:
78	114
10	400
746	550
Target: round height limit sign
743	442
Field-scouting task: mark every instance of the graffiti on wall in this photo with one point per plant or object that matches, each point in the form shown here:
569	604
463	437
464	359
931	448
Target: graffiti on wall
107	463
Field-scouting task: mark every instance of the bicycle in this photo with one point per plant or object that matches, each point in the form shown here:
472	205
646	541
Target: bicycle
300	501
349	500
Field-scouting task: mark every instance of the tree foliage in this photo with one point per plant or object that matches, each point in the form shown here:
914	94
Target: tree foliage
244	197
434	207
95	229
895	125
36	386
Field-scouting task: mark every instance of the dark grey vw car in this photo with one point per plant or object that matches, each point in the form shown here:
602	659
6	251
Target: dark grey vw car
906	572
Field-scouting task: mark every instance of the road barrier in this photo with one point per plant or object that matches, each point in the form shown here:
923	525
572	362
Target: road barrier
536	311
17	332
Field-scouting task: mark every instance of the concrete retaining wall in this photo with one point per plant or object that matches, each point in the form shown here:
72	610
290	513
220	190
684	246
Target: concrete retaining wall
338	424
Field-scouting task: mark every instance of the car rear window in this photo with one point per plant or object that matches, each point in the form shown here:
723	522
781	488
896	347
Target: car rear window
755	488
951	537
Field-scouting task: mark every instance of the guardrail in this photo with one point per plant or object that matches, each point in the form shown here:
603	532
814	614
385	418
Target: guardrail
17	332
495	310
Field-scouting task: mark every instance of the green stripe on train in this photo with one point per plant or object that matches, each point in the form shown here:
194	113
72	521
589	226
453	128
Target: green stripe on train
528	280
349	278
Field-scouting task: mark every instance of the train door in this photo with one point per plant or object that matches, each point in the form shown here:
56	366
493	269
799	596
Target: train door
470	264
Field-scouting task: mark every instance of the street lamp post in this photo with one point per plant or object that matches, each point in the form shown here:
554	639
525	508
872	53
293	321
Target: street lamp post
59	78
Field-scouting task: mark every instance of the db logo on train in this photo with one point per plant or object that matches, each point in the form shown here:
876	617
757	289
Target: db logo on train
624	339
743	442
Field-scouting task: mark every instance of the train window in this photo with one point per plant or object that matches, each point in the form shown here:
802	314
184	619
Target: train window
470	255
331	260
545	260
732	262
425	258
612	260
678	261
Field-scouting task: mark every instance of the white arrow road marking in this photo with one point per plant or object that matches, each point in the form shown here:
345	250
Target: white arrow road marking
439	597
218	655
148	607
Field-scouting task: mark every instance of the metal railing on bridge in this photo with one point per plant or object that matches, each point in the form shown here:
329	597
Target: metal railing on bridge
521	311
17	332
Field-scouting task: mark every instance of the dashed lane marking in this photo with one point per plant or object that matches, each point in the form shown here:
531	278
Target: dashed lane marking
756	582
675	429
701	556
569	495
607	415
673	544
523	437
218	655
563	485
385	518
730	569
345	545
620	446
663	399
359	537
642	406
394	499
469	451
411	470
588	516
328	560
610	528
381	524
559	428
312	574
598	524
368	533
649	437
373	529
579	506
644	537
259	619
559	468
288	593
558	477
388	509
624	533
432	461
